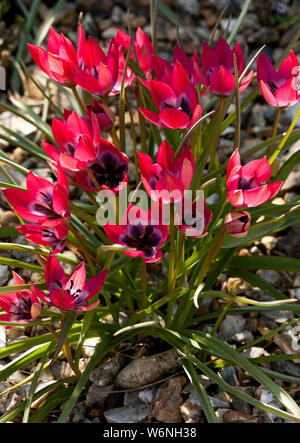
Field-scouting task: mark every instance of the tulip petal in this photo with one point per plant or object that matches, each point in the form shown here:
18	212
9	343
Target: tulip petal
174	119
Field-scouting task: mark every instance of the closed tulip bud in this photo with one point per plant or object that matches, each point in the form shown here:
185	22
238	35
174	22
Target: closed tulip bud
237	223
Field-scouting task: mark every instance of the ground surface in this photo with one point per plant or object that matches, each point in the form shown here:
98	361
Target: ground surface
134	385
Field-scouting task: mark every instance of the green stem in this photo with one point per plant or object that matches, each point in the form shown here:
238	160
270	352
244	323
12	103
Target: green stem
144	285
78	99
82	247
217	136
171	281
237	135
275	127
281	145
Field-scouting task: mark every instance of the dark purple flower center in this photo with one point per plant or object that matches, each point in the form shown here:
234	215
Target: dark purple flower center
20	308
44	206
144	238
74	292
245	184
109	170
272	86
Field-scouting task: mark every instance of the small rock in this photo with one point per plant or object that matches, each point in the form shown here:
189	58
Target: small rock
8	400
4	275
231	325
243	337
146	370
166	408
8	218
270	276
220	413
269	241
146	396
89	346
105	374
2	337
239	417
229	375
287	367
127	414
241	405
97	395
279	316
131	398
216	402
190	412
139	21
189	6
253	352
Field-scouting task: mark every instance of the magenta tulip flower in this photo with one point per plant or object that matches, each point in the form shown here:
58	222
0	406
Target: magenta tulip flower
70	294
60	60
246	184
139	233
217	68
51	233
96	72
176	101
279	88
21	306
237	223
78	139
42	201
109	169
168	178
145	55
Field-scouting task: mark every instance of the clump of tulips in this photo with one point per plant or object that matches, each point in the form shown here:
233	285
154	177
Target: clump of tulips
169	216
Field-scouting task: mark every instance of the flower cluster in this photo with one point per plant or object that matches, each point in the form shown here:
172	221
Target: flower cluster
82	154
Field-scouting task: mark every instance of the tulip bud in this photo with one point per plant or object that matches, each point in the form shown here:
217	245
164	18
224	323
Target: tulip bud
237	223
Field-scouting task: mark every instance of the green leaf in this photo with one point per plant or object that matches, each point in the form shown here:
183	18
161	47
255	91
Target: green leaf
265	262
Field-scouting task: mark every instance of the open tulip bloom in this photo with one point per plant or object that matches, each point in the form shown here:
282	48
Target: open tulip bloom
168	178
176	101
20	306
96	72
69	294
60	60
217	68
246	184
50	233
42	201
139	234
279	88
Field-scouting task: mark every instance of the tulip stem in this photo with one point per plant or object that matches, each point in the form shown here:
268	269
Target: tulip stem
212	253
78	99
171	280
82	247
144	285
143	135
237	135
66	347
133	135
180	257
218	133
275	127
287	134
